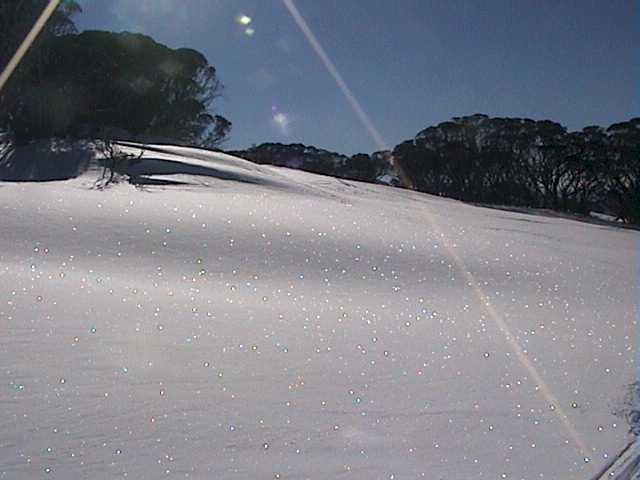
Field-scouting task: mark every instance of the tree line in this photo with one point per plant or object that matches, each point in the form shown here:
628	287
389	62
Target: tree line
99	83
522	162
503	161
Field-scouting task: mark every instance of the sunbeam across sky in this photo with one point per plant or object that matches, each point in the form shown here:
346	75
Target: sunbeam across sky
409	65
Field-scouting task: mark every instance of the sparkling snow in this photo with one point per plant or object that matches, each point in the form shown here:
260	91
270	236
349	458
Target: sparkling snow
260	322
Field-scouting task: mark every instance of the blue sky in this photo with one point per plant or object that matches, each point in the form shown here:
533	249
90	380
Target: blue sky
410	63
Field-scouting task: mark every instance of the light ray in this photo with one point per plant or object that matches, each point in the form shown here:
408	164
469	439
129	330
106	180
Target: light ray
522	357
28	41
353	101
483	298
346	91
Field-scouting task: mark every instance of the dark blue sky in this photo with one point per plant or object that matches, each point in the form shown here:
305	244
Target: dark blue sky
410	63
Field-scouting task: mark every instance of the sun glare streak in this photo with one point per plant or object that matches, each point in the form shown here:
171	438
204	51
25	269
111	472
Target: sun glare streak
353	101
283	120
346	91
545	390
483	298
28	40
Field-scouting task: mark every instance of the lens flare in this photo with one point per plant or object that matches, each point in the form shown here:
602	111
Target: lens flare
333	71
281	119
475	286
244	19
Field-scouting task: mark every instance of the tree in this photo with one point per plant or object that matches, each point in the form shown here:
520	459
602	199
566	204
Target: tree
464	158
100	80
586	161
623	179
362	167
545	164
517	161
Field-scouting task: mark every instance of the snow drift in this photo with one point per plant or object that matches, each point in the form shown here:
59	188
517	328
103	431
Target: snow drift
247	321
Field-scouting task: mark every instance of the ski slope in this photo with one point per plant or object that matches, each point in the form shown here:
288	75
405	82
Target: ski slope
237	321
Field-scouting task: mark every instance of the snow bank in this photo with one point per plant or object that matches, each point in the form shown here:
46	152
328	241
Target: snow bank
258	322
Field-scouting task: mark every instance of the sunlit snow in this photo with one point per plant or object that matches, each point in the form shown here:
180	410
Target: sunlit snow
247	321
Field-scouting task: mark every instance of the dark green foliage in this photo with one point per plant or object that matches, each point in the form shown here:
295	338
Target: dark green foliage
500	161
295	155
513	161
623	172
363	167
87	84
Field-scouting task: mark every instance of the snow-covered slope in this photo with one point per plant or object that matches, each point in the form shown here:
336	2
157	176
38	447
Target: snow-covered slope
256	322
